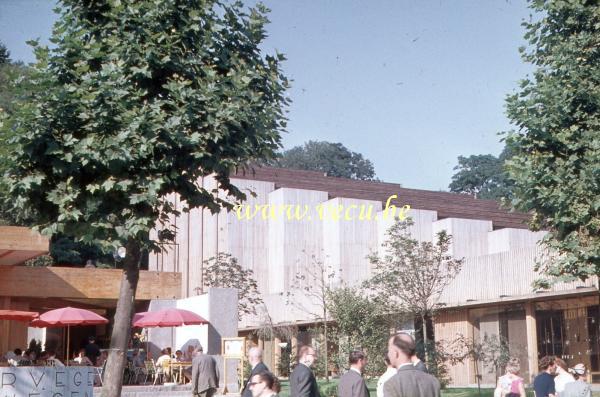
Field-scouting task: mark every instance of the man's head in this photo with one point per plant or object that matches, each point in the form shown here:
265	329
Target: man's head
264	384
407	338
92	339
548	364
307	355
254	355
400	351
358	360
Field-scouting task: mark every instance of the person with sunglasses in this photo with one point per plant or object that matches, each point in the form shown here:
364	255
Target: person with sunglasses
264	384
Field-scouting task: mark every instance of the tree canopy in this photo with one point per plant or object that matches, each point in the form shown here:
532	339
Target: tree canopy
135	101
483	176
556	162
4	54
334	159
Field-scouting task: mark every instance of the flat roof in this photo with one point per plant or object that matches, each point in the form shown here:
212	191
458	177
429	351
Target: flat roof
447	205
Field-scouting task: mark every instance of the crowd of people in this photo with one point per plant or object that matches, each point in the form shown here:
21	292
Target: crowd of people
405	376
555	379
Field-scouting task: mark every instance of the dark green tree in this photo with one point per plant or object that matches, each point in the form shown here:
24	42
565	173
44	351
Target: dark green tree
334	159
483	176
135	101
4	54
556	161
360	323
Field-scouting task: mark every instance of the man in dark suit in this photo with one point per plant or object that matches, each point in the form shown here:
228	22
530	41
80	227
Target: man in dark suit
418	364
302	380
255	359
409	381
352	383
205	374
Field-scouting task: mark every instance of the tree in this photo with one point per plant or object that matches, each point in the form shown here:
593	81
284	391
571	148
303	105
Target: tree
360	322
136	101
224	271
412	275
334	159
314	282
13	89
482	176
556	164
4	54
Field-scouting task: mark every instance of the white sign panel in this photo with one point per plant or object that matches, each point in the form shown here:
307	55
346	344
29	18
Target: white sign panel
46	381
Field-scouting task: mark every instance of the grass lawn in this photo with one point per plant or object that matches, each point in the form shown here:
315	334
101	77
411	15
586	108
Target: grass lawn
330	390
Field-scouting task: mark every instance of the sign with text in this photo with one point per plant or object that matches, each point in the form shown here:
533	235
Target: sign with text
46	381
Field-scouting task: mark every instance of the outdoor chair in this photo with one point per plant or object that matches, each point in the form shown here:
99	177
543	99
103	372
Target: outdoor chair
150	371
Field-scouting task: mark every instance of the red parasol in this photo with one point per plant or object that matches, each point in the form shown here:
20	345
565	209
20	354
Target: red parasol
171	317
68	316
17	315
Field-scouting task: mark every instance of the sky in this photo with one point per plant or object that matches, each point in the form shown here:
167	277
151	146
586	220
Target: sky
411	85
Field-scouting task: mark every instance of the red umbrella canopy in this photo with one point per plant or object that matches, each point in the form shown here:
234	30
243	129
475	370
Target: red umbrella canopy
17	315
169	318
138	316
68	316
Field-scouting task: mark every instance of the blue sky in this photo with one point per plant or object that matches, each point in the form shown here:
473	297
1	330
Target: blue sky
410	84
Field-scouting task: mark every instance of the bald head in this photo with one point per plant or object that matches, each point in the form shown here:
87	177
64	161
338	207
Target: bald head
255	355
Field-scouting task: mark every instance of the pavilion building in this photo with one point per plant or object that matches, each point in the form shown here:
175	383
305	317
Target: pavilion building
295	219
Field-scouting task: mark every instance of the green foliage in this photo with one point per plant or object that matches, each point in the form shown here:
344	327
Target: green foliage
361	323
334	159
136	101
4	54
13	90
224	271
482	176
556	164
438	359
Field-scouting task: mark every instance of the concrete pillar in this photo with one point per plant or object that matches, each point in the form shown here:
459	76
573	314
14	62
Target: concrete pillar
532	343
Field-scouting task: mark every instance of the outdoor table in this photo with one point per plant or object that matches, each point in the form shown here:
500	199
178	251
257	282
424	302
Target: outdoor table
179	365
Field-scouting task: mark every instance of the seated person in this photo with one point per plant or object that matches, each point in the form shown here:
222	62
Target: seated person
161	362
15	358
52	359
81	359
179	356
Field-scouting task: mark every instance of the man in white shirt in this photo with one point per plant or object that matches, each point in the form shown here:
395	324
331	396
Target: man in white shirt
352	383
389	372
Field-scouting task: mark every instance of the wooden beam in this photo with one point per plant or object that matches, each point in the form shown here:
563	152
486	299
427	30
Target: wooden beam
532	343
84	283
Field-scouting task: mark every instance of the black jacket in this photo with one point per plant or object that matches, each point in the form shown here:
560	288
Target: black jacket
260	367
303	382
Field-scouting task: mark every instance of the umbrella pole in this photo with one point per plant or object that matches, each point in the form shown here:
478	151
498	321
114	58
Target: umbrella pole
68	342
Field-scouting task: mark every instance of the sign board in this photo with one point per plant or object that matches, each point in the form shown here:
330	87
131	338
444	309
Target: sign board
47	381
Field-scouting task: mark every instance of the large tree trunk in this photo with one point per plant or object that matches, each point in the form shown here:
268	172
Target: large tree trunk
121	332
